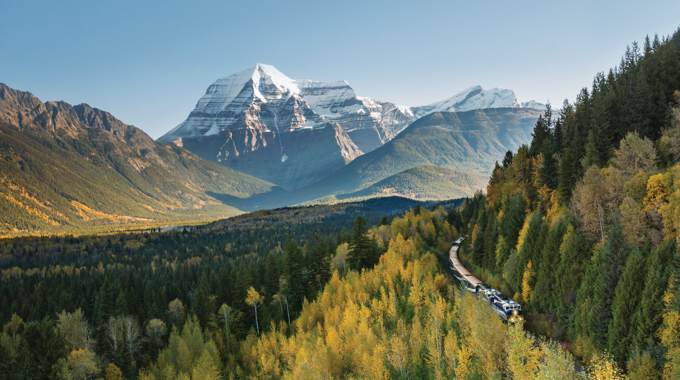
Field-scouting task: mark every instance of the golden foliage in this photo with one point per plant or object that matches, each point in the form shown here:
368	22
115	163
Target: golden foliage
603	367
523	356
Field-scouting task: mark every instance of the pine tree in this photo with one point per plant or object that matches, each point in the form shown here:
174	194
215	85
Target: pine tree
626	300
541	133
592	154
567	174
106	306
361	250
272	275
614	256
121	303
202	305
42	348
293	272
549	259
650	312
318	263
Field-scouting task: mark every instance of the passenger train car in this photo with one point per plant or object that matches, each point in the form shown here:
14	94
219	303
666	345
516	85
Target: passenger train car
506	308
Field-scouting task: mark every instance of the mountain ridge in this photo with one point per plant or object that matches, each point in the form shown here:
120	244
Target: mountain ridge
64	167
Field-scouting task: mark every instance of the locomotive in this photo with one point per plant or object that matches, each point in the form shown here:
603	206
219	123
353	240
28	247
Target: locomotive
509	310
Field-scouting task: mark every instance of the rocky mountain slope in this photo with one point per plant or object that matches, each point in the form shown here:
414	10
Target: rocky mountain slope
464	141
65	167
264	123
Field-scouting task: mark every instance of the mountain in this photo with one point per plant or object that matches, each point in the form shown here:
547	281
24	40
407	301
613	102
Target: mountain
465	141
256	122
261	122
64	167
424	182
476	98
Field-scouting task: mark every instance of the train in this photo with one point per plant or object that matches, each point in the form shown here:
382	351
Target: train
509	310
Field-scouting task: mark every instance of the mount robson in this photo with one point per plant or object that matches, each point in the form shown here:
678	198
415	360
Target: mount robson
296	132
256	140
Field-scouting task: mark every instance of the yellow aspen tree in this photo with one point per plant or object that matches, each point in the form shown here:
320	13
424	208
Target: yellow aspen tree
254	299
451	351
642	367
603	367
82	363
114	373
487	337
657	193
373	366
437	317
523	232
397	355
335	351
523	357
556	364
415	342
464	366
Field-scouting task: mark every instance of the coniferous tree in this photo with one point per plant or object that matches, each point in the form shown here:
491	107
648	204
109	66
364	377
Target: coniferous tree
649	313
625	304
202	306
549	259
293	272
592	155
507	159
41	350
106	306
361	250
318	263
614	256
541	133
272	275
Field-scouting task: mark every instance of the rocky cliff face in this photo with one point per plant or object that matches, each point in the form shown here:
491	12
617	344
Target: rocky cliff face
370	123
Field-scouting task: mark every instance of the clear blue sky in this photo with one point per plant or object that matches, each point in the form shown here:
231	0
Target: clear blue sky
148	62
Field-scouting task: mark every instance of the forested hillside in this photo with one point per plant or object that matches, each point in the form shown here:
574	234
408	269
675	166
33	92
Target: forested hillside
243	300
581	226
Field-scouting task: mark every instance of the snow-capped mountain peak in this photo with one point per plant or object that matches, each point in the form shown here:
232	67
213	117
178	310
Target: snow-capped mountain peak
474	97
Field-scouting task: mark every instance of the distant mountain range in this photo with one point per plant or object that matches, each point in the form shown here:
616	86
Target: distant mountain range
276	142
64	167
261	122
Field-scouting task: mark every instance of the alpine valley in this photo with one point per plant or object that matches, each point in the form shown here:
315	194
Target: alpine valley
256	139
66	167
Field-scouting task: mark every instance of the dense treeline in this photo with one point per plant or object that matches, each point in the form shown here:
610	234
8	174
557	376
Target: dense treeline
402	319
581	226
83	300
